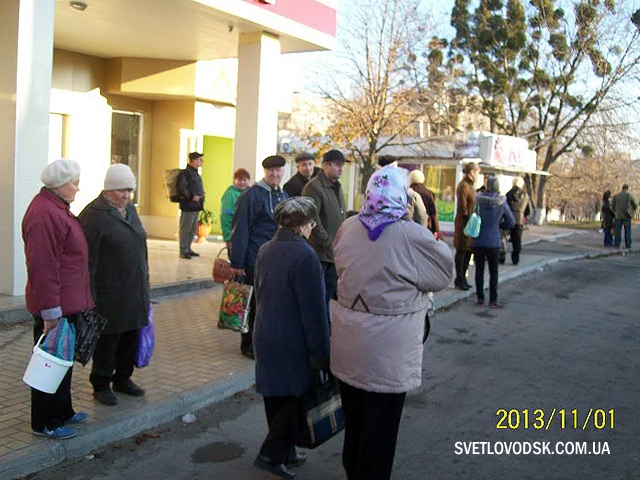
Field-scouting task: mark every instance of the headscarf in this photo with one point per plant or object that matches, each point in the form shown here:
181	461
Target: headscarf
386	200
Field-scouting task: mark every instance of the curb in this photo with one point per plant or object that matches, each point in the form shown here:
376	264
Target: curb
129	423
14	315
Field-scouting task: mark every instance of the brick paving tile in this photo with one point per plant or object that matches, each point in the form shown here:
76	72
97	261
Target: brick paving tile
190	352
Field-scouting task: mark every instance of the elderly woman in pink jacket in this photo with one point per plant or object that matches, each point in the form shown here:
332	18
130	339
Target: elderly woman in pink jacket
386	266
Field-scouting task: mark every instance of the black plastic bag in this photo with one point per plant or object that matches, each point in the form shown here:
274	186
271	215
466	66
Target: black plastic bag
89	326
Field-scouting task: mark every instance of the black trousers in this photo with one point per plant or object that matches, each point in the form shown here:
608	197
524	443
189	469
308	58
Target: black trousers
246	340
113	359
492	255
516	241
51	410
282	414
371	423
331	284
462	260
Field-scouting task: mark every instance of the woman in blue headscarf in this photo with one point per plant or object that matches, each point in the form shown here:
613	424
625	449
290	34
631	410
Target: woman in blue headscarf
386	266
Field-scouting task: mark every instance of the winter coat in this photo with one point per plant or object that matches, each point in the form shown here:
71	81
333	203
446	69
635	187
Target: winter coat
329	197
227	209
189	185
296	183
429	200
518	201
465	203
607	214
57	259
495	214
378	322
253	223
624	205
117	264
416	210
291	321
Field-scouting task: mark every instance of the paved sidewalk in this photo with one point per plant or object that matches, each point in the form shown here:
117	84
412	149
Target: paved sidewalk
194	364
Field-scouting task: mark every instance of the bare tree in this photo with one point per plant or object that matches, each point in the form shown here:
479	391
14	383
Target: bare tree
387	82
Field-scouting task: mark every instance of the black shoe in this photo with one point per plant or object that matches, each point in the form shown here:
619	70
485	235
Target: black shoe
106	397
186	256
467	285
461	285
296	460
194	254
128	388
279	469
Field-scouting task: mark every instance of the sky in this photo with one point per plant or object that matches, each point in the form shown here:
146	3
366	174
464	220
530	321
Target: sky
301	68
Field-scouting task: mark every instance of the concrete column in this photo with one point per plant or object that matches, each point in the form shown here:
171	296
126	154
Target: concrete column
26	56
256	108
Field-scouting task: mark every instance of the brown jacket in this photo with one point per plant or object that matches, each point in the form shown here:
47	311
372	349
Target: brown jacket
465	203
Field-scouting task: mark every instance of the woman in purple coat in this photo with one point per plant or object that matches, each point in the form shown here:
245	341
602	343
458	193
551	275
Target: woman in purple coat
291	332
57	284
495	214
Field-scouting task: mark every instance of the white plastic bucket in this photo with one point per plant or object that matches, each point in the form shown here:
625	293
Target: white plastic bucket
45	372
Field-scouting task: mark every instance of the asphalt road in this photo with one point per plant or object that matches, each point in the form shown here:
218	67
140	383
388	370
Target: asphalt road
562	360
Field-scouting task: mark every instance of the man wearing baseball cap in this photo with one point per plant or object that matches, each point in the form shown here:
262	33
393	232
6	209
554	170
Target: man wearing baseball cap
191	203
306	166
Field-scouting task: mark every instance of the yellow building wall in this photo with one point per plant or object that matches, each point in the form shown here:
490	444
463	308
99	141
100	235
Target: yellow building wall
76	72
170	116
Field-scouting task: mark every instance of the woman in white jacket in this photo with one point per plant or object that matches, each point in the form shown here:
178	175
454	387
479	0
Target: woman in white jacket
386	266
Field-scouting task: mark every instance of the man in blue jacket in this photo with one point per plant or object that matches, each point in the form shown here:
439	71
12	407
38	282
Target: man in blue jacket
252	226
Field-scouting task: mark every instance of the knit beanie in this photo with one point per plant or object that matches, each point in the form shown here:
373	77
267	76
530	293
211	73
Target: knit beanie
60	172
493	185
416	176
119	177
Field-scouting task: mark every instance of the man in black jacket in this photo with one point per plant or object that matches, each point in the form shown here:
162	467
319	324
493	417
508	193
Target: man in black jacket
518	201
191	203
306	166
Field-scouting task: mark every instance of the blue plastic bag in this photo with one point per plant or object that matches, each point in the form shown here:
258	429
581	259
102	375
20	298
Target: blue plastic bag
146	342
472	228
60	341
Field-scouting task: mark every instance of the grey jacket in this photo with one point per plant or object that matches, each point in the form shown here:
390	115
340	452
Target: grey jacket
624	205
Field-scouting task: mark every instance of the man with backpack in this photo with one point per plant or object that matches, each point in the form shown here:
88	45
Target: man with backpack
191	193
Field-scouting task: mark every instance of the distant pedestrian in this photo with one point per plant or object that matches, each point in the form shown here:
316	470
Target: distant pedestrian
416	183
326	191
191	203
57	284
624	206
291	334
607	215
119	275
494	210
241	180
518	201
465	204
306	166
416	209
386	267
253	226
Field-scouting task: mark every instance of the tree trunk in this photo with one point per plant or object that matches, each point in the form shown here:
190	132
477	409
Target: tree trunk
541	209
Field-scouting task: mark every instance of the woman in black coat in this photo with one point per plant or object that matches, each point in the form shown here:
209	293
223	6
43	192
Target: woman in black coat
119	276
291	332
607	216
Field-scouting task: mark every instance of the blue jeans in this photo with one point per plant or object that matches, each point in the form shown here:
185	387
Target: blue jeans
619	223
492	255
608	237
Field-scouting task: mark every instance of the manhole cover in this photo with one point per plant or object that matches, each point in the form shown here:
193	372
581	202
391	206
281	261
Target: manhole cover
217	452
